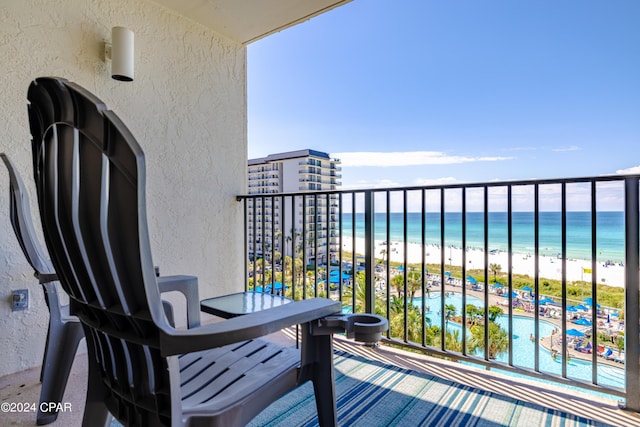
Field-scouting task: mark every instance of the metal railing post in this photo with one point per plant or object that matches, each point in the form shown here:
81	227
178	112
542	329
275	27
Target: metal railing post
632	312
369	252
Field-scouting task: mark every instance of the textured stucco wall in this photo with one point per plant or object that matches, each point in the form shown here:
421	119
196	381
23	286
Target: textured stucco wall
186	107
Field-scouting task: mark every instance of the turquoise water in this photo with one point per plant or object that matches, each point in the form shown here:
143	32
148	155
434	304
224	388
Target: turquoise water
610	231
523	347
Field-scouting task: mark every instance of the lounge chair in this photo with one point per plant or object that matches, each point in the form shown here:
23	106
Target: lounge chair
64	330
90	177
606	353
585	347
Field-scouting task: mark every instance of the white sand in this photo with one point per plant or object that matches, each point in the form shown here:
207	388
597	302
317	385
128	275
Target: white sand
549	267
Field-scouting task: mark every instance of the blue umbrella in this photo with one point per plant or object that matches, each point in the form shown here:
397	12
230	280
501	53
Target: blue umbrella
333	278
589	302
514	294
571	308
581	307
574	333
447	273
545	301
471	279
527	288
497	285
583	322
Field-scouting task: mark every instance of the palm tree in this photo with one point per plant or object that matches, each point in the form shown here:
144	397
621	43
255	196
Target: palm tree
495	312
358	291
474	313
414	283
449	312
498	340
495	269
453	342
415	321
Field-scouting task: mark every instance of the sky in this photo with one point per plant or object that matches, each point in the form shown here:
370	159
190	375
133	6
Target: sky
421	92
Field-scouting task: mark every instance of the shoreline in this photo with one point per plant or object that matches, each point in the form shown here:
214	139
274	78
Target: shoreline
522	263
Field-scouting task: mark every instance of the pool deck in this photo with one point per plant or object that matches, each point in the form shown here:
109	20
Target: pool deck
545	341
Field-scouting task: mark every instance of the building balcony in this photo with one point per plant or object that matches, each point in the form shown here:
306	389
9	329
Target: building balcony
522	265
452	387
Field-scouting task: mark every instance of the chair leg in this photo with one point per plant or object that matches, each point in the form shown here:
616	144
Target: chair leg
96	413
63	341
44	356
317	366
95	409
323	378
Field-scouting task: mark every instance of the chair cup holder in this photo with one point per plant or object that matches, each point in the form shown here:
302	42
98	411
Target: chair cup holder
362	327
366	328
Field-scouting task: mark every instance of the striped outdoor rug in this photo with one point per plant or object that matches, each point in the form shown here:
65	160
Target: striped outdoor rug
372	394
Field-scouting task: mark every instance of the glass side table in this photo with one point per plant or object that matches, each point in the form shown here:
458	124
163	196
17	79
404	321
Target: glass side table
228	306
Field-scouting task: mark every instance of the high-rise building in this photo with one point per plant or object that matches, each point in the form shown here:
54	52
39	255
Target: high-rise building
308	221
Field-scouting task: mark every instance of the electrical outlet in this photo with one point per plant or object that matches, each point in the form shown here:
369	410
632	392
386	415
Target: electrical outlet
20	299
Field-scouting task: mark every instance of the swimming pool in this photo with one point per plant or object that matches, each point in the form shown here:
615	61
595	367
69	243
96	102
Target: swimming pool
523	348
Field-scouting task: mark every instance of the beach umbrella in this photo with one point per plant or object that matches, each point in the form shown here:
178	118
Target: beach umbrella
514	294
277	286
497	285
447	273
571	308
527	289
334	278
581	307
471	279
574	333
589	302
583	322
545	301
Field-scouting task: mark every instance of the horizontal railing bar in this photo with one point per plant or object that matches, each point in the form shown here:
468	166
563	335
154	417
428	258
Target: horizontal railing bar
513	183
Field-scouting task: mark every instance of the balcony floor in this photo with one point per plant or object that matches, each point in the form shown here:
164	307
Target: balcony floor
24	387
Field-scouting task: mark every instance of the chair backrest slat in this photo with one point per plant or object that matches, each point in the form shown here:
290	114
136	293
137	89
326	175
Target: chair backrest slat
89	174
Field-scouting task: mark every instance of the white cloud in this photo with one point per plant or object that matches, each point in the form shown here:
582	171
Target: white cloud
365	184
435	181
408	158
629	171
571	148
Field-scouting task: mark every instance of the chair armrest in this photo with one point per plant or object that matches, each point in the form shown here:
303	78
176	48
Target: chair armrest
249	326
46	277
188	286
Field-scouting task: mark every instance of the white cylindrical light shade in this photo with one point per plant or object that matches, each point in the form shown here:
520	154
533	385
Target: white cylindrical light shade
122	54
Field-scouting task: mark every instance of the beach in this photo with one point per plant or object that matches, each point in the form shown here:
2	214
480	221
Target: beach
522	263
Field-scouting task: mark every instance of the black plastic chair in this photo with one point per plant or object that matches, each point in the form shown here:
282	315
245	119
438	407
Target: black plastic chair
90	178
65	331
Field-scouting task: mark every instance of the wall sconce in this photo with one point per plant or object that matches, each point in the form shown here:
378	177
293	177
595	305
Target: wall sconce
120	51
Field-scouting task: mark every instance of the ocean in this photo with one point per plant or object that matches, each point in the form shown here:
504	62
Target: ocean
609	234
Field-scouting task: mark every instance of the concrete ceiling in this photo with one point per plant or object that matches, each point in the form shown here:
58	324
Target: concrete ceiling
245	21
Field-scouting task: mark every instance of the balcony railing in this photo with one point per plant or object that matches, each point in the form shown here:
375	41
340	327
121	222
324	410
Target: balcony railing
532	277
